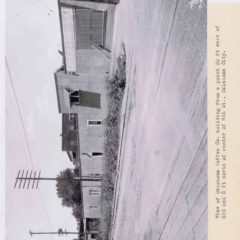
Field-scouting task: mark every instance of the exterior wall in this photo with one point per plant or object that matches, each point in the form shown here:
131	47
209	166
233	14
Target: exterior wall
95	83
91	61
79	60
91	71
91	165
91	138
90	201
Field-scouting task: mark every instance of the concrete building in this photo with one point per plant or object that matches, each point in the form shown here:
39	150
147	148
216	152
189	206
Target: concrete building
86	29
82	102
83	96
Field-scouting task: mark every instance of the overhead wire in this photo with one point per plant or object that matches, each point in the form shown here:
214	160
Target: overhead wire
43	4
43	7
26	139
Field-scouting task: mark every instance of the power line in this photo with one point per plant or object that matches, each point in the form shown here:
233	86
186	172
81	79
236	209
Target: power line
38	6
60	232
41	6
19	113
26	138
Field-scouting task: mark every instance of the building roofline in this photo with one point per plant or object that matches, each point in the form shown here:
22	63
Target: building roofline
69	5
62	39
57	92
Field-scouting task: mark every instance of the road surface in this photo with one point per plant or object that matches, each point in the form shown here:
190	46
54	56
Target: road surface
162	185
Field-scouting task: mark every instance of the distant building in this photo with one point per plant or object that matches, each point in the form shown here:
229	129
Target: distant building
86	28
70	137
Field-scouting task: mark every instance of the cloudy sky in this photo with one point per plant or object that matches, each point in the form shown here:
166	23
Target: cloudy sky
33	124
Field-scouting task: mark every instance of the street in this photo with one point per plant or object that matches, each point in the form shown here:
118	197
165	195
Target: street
162	181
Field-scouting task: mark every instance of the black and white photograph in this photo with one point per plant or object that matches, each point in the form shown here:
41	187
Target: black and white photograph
106	122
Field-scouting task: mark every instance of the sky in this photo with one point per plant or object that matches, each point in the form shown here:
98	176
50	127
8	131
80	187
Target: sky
32	121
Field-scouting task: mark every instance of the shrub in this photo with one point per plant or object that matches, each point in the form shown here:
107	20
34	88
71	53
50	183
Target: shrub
115	89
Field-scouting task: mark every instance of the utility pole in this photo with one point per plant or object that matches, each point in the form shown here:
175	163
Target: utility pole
35	178
60	232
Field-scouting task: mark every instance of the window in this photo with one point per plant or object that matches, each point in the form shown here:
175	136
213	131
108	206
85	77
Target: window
74	155
95	192
93	235
94	122
94	207
72	116
72	121
95	175
97	154
73	125
74	98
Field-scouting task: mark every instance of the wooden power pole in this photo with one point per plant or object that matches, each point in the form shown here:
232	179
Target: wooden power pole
33	177
60	232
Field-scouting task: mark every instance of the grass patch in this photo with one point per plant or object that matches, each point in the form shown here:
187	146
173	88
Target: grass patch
115	91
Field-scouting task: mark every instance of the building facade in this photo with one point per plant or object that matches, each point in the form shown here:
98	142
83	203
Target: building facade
86	29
